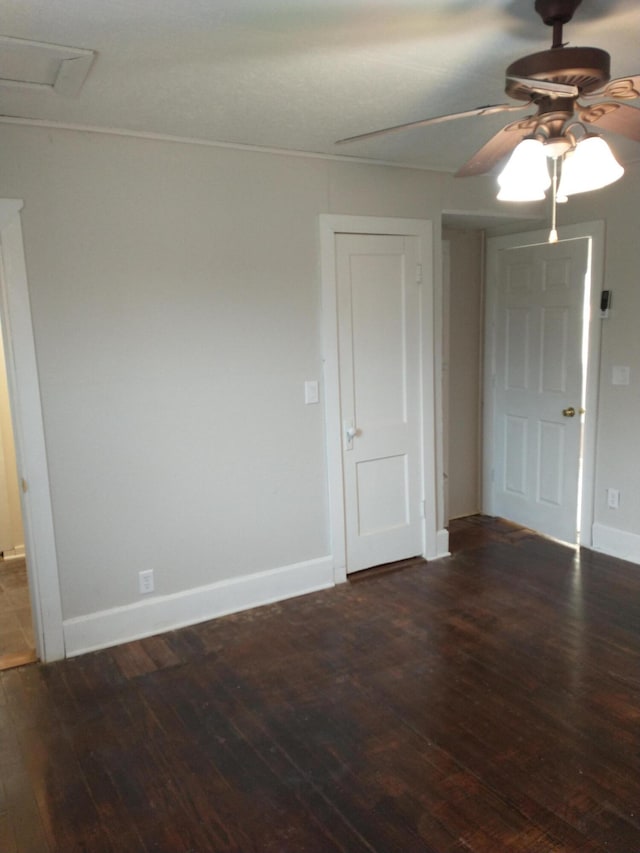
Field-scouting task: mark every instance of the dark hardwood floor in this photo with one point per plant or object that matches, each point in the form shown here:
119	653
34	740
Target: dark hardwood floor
17	643
489	701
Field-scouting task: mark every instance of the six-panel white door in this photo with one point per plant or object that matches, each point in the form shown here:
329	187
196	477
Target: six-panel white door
379	347
538	383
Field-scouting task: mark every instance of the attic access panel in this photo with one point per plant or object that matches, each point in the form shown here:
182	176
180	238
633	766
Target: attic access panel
45	67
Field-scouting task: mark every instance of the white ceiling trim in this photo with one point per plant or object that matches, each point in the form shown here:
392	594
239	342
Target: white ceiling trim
207	143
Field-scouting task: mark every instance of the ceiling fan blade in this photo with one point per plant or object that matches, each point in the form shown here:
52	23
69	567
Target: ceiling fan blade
623	88
619	118
497	147
545	87
478	111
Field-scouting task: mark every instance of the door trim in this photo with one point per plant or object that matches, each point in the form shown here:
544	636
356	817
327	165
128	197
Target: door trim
433	541
595	232
26	412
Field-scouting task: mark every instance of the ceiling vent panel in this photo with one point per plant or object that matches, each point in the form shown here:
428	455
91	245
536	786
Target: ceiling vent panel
44	67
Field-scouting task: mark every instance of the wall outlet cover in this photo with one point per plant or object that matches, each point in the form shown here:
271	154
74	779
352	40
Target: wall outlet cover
311	392
145	582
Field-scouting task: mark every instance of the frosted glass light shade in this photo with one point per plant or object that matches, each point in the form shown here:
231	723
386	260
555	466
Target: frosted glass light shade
589	166
526	176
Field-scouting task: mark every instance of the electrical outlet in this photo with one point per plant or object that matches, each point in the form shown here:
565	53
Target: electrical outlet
145	581
613	498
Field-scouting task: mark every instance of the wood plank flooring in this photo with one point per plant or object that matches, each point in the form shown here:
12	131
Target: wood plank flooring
17	644
489	701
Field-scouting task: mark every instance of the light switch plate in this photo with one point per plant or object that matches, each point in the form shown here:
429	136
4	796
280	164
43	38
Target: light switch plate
311	394
620	374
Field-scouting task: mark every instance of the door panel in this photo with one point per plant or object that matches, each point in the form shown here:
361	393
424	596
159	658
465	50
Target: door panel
517	349
382	494
554	350
538	374
551	456
515	449
378	336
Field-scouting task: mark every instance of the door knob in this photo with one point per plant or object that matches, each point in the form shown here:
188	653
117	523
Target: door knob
350	432
569	413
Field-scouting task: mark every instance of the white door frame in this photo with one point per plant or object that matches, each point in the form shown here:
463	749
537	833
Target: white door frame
596	232
434	541
26	412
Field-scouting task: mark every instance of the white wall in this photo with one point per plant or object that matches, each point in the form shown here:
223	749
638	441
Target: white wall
175	298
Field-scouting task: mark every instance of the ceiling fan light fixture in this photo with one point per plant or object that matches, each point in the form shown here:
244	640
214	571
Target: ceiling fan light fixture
526	176
522	192
589	166
551	81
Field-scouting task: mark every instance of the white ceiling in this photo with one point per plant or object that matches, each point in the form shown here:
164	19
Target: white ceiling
299	74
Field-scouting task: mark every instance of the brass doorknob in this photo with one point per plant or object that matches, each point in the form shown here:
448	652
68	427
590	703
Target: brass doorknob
569	413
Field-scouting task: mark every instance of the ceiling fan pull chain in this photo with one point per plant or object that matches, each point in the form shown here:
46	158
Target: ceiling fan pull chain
553	234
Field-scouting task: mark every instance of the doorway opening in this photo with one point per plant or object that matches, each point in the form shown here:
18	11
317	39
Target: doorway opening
28	429
17	639
464	256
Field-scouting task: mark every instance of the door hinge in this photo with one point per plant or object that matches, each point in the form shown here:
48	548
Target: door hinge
423	511
418	273
23	483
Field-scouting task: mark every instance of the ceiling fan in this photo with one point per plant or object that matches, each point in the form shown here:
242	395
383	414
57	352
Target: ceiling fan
552	81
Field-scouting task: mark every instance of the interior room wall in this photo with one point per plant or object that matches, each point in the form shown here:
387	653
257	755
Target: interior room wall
175	297
464	364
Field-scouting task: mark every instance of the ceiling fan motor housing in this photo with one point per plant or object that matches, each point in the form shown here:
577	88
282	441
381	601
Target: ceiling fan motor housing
556	11
587	68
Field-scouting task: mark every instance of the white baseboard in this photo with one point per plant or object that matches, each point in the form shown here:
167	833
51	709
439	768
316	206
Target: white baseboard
442	543
616	543
439	548
164	613
16	553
